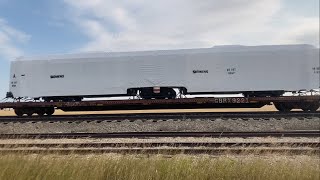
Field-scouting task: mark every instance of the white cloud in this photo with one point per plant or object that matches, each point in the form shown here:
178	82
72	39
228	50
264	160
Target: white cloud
9	36
141	24
300	30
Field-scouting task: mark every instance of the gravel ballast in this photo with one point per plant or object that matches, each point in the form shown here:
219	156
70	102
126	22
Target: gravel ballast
168	125
163	139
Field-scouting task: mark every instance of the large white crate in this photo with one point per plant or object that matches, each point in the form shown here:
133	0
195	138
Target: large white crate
217	69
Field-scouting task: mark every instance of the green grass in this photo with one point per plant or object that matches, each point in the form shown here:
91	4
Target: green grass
139	167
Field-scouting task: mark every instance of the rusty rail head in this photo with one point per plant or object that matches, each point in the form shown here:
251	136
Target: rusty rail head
309	133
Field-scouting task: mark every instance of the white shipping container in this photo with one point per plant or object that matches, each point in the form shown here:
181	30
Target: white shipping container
217	69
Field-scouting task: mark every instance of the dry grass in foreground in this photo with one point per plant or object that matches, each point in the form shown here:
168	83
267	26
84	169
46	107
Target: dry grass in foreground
132	167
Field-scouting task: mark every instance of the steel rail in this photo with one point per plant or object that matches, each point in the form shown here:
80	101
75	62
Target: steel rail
164	116
307	133
161	144
168	151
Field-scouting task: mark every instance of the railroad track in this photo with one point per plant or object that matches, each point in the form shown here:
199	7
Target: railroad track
169	148
162	144
164	116
171	151
307	133
166	148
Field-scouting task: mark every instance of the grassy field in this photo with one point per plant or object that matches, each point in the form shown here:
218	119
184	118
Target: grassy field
135	167
59	112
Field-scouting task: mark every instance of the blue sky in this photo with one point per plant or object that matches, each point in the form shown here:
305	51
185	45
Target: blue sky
39	27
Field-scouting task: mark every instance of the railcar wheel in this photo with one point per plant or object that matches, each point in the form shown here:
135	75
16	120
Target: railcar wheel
18	112
310	107
283	107
41	113
314	108
50	111
29	113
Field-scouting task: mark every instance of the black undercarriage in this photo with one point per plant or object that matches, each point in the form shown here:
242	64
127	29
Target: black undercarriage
162	93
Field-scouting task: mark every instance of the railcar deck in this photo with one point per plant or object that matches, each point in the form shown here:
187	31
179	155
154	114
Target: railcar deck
182	103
